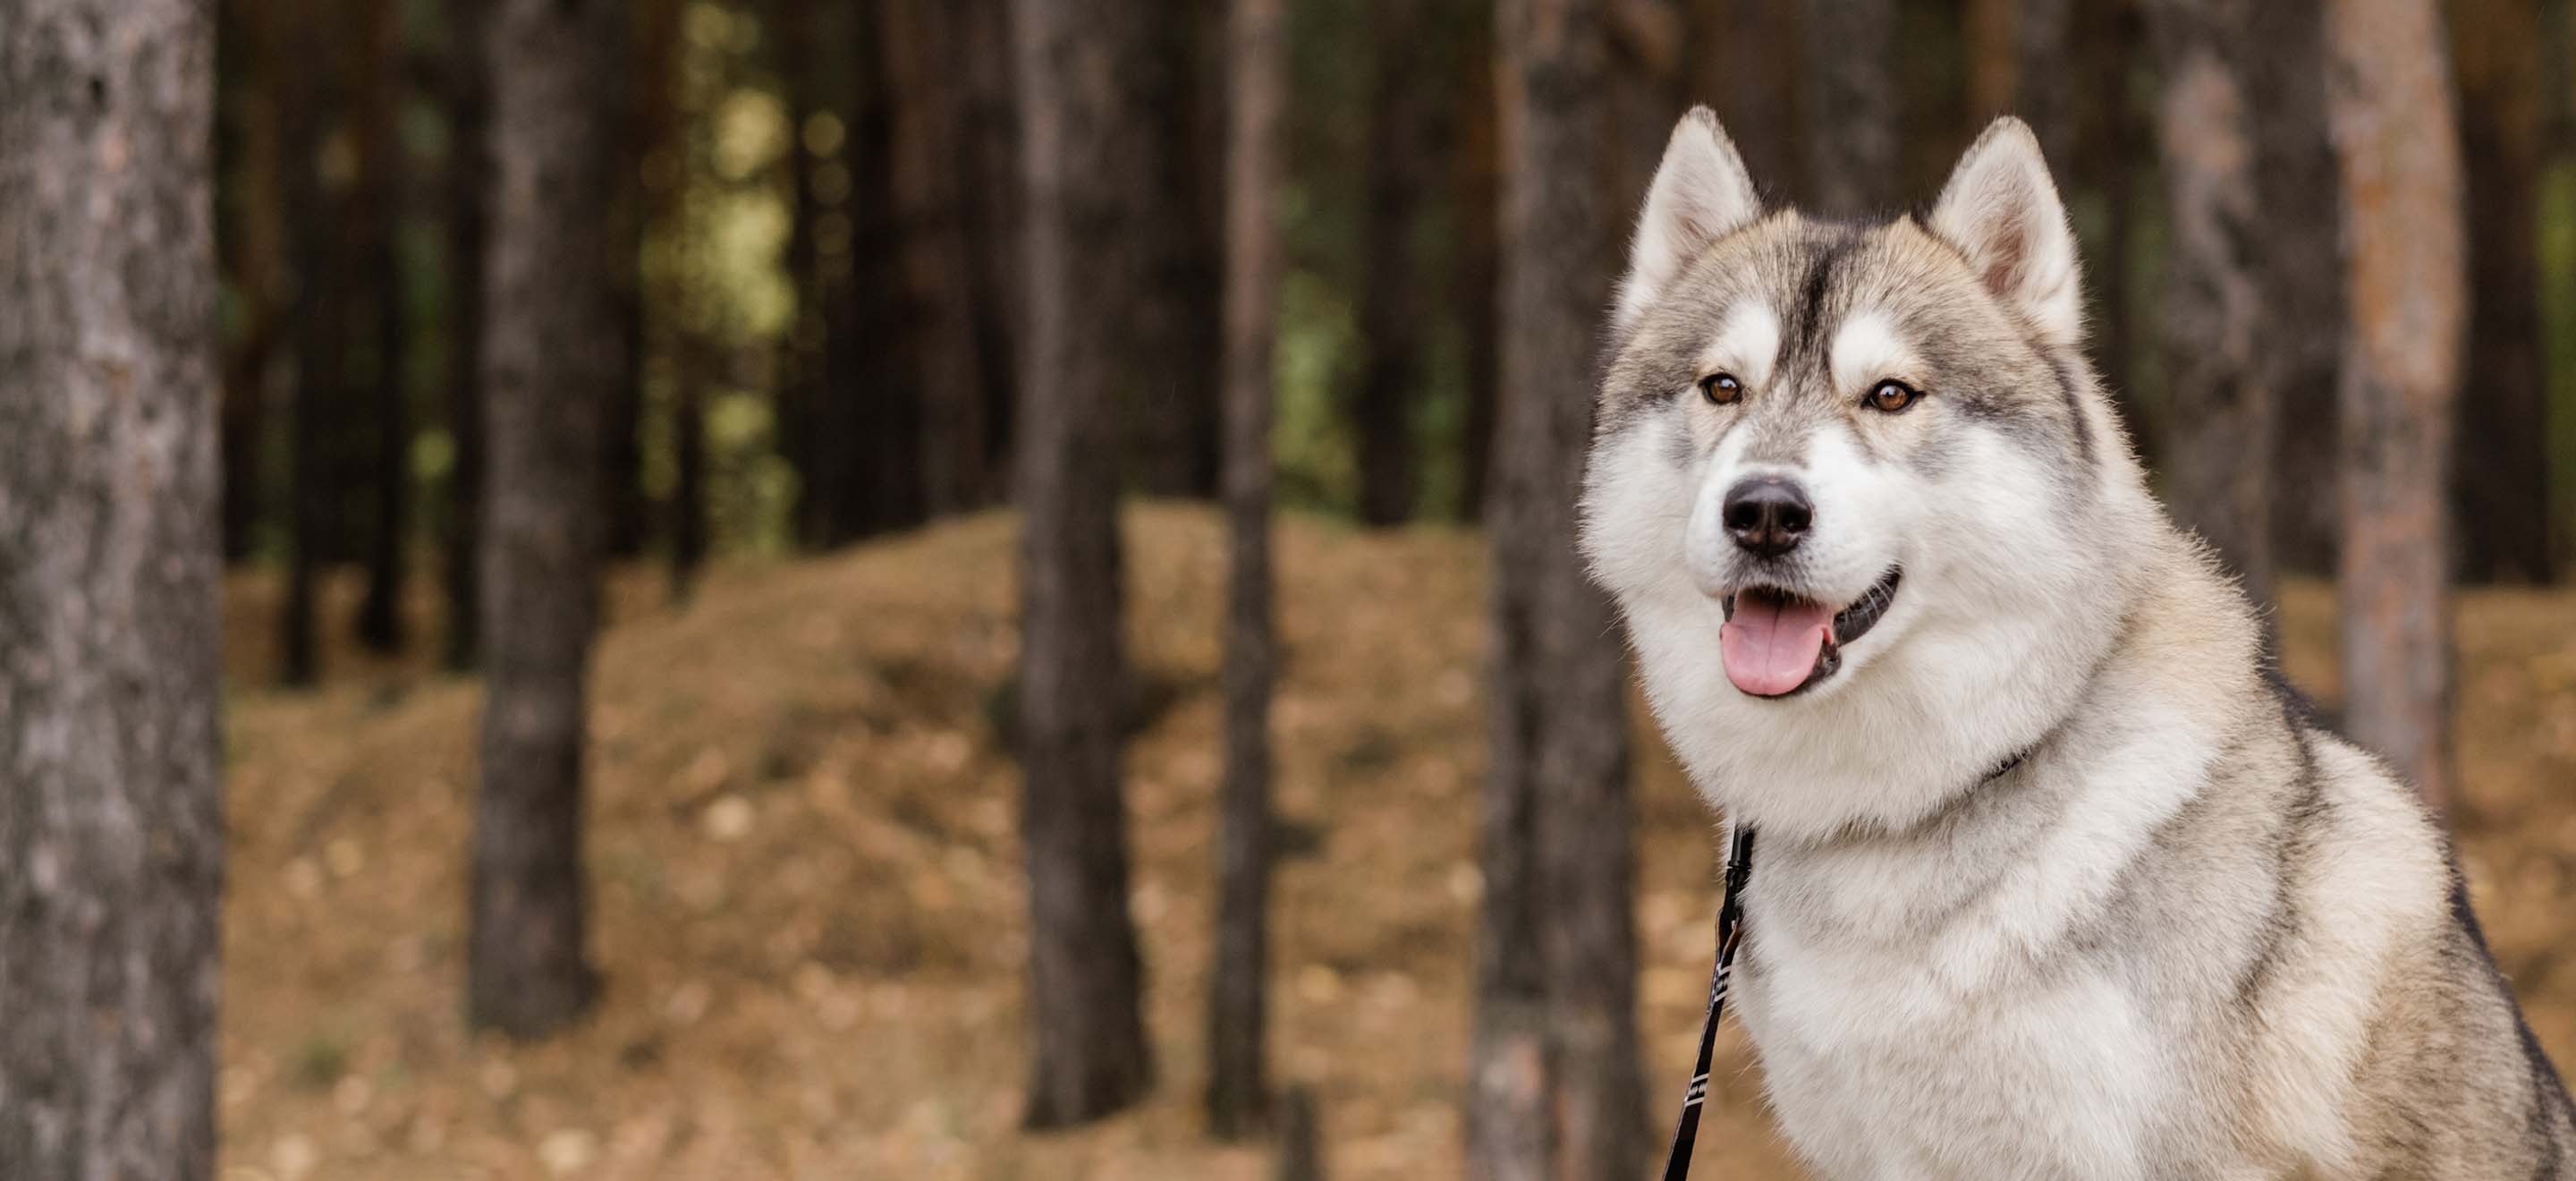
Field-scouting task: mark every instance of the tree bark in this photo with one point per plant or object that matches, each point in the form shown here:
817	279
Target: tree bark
468	198
928	55
688	482
383	182
2501	468
1741	58
1175	370
994	207
1849	100
111	769
2220	406
2301	269
1238	1079
1391	299
249	243
1087	127
2388	101
1558	857
320	334
863	350
1478	251
550	370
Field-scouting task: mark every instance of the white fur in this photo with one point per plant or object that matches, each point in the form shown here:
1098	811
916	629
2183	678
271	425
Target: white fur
1747	343
1939	973
1700	194
2001	210
1867	349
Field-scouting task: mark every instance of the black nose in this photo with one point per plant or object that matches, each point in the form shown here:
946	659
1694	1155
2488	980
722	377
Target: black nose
1769	516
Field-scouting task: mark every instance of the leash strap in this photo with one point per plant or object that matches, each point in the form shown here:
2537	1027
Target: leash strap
1730	931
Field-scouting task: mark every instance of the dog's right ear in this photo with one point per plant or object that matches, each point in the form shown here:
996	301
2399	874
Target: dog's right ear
1701	194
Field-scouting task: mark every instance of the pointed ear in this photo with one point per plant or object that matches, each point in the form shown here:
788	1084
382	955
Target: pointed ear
2001	210
1700	194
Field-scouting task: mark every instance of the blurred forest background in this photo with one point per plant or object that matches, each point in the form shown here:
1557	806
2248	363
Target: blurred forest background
1030	467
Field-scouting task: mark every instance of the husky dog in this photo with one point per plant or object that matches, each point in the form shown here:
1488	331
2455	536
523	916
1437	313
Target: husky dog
2055	880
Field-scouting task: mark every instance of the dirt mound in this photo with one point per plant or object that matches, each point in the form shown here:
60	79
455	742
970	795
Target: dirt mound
806	874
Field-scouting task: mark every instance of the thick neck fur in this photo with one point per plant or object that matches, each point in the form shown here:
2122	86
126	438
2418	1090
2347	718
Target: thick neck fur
2037	850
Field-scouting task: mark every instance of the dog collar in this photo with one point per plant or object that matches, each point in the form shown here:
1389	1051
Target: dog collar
1730	933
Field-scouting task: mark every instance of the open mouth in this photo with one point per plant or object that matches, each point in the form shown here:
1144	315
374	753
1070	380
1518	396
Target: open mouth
1775	644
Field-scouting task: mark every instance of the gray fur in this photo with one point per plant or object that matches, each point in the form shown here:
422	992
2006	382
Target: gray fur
2192	933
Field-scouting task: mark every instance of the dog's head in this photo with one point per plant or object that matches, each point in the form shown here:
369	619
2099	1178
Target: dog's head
1854	485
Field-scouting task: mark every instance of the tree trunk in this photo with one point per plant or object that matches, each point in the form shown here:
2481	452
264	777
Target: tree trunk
1558	856
1993	51
1086	129
688	482
550	371
2502	465
2220	405
2388	101
926	52
1477	279
1174	371
111	769
468	197
863	348
320	336
1392	305
1238	1079
249	240
2300	264
1741	58
991	154
384	182
803	439
1850	98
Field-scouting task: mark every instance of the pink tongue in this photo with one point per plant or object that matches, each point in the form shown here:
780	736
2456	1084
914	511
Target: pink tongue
1771	645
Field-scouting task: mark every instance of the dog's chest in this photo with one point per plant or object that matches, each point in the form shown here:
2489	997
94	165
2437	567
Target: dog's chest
1890	1062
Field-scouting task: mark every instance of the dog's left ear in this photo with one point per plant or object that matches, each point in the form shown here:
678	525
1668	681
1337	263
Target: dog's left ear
1701	194
2001	210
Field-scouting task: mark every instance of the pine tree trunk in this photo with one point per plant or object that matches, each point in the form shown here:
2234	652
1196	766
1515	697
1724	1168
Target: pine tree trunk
689	482
926	56
1391	311
1238	1078
320	338
550	371
111	769
803	439
2502	465
2300	263
1741	59
2388	100
989	160
1558	859
1476	289
1086	127
2220	408
468	197
384	183
1174	371
249	234
864	304
1849	105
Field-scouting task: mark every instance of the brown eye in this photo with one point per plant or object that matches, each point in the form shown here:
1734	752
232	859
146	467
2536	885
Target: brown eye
1892	397
1720	388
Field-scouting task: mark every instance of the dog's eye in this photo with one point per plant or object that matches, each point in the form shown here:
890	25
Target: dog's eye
1720	388
1892	397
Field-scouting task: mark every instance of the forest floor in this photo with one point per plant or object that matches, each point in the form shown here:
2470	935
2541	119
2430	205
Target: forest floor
806	880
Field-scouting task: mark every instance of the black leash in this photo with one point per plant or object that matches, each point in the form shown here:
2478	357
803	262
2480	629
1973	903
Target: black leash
1730	932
